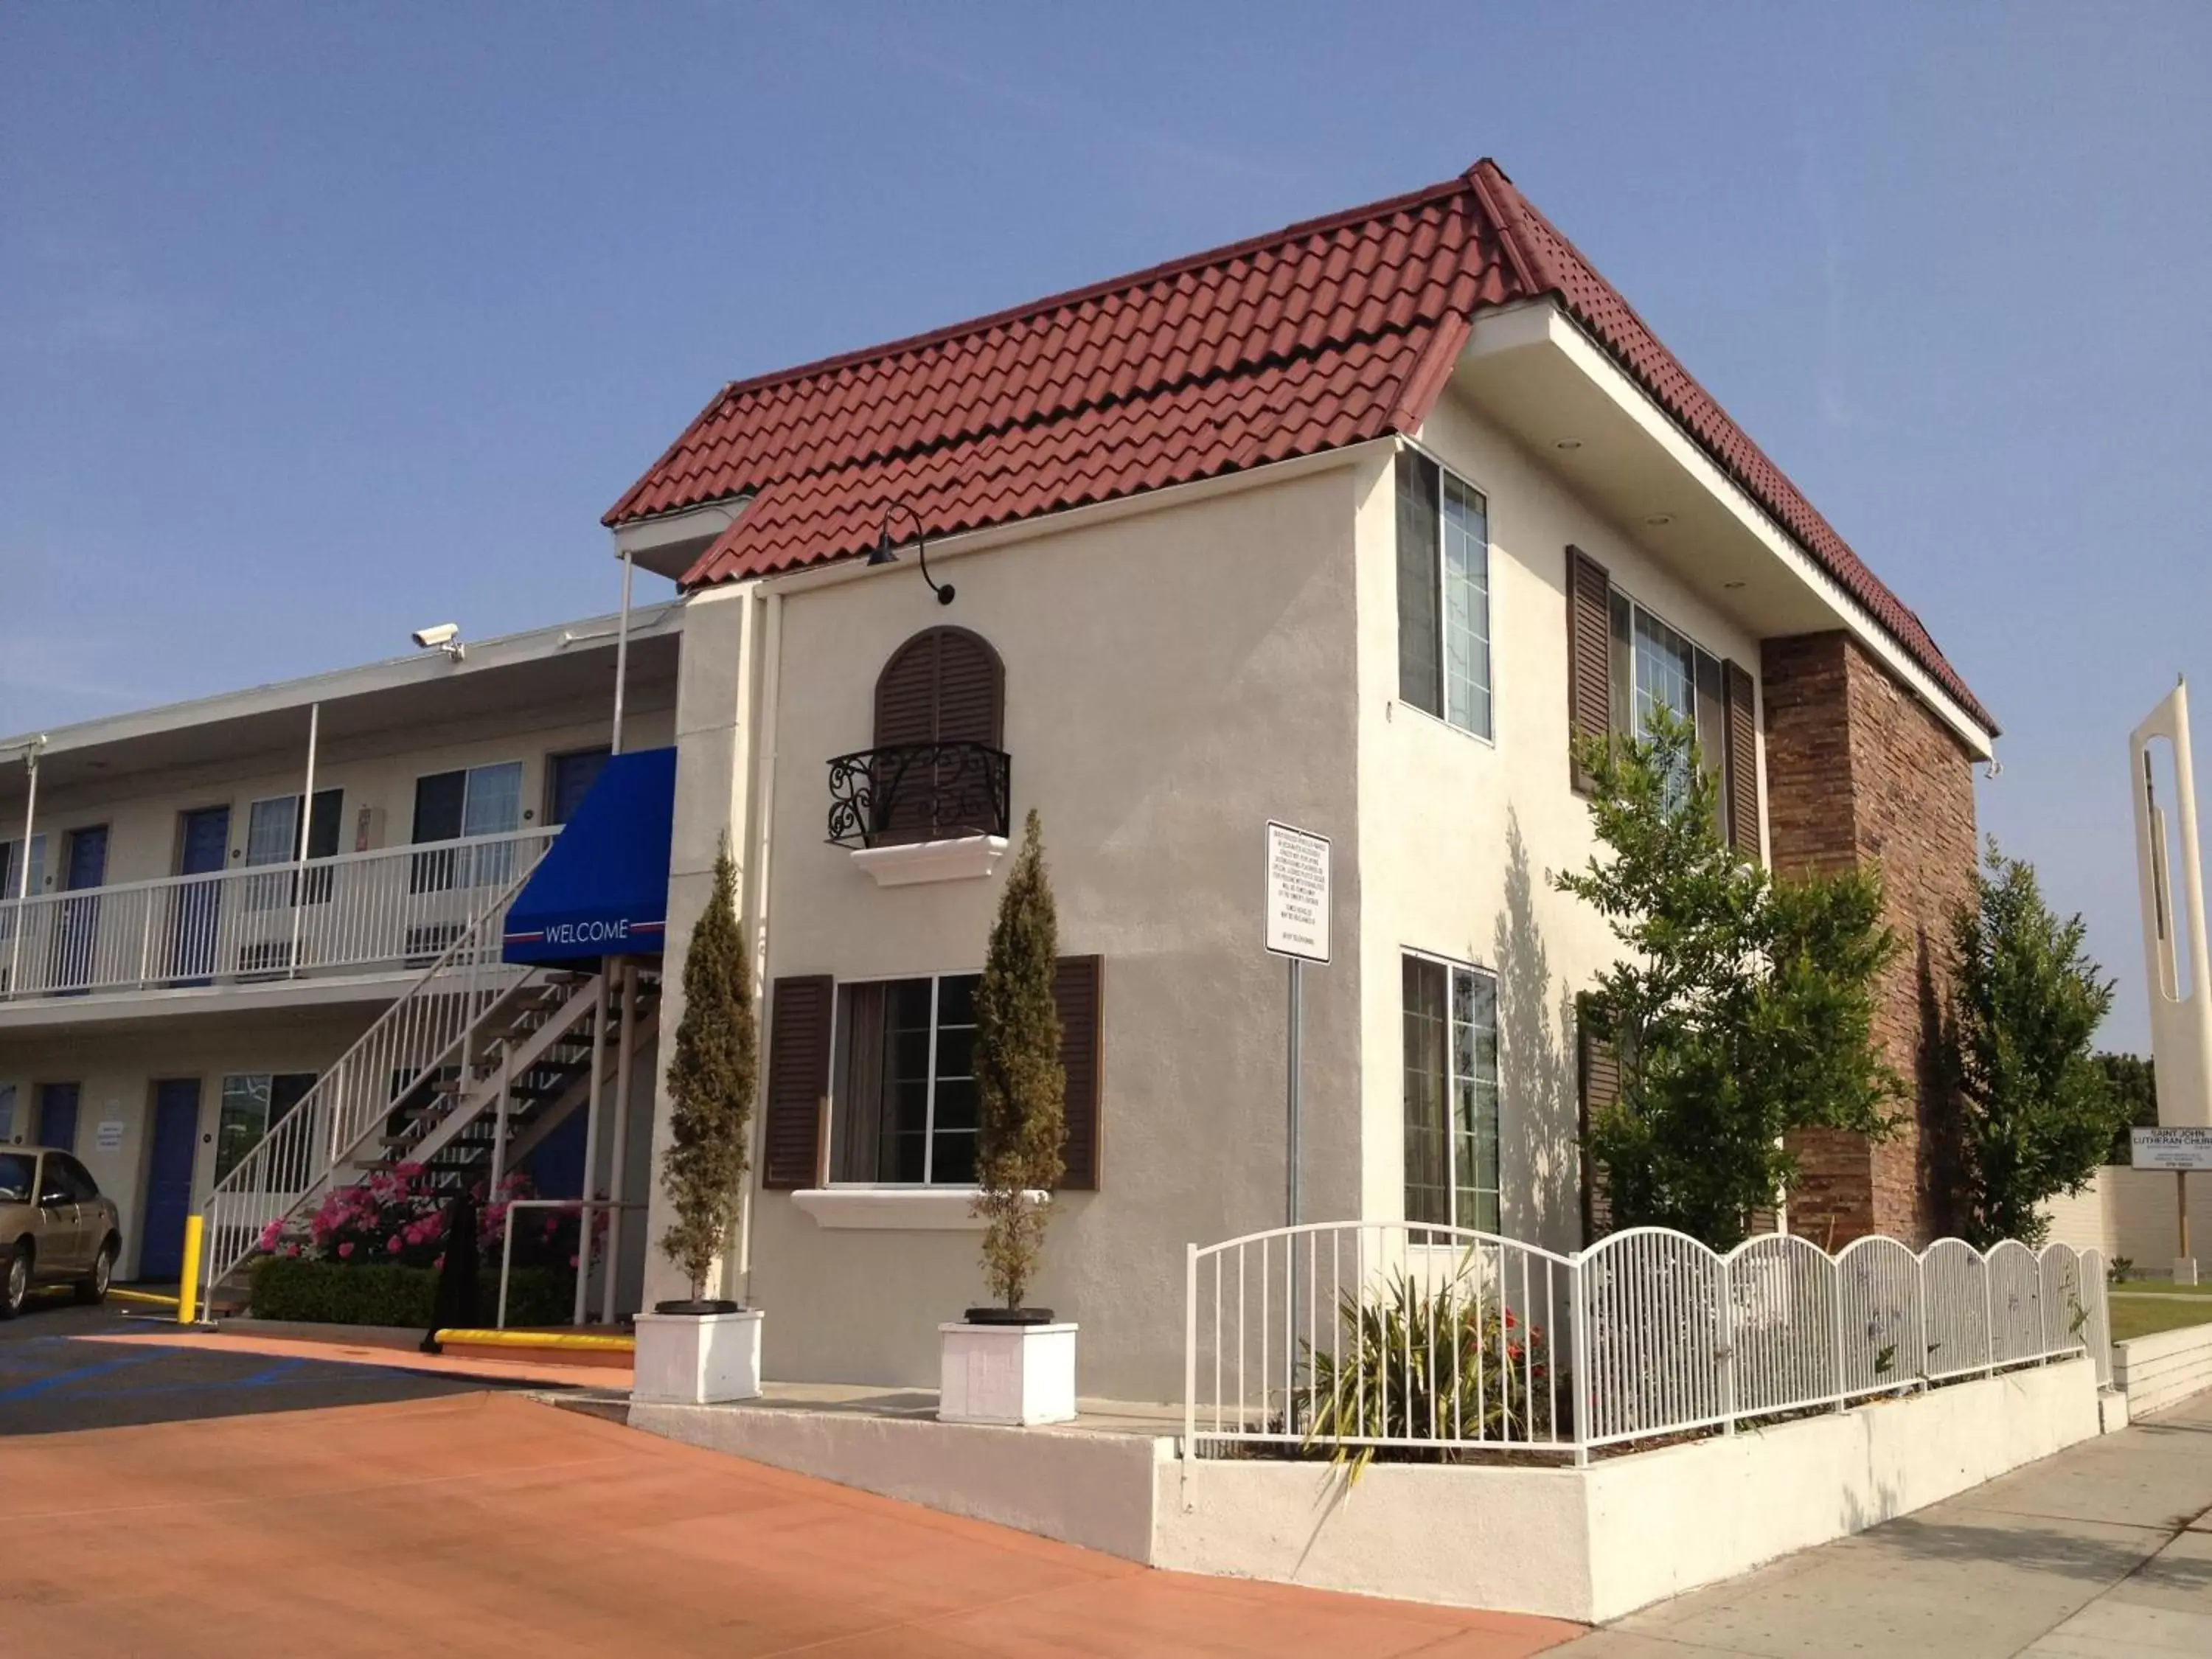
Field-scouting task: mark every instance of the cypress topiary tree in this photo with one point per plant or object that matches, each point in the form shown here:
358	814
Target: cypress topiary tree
1021	1086
712	1081
2040	1110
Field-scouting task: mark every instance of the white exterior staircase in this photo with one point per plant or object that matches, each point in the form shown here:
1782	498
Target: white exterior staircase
464	1075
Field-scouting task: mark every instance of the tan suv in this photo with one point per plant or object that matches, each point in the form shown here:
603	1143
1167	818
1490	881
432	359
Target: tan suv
55	1227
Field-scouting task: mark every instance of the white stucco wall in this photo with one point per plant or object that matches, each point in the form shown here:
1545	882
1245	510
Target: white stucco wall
1177	674
2133	1213
1175	677
1462	835
117	1069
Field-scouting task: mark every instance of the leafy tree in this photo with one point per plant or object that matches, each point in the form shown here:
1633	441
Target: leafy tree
1743	1005
2040	1113
2133	1082
1021	1085
711	1082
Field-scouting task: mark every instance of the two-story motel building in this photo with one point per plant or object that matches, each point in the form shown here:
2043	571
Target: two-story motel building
1350	526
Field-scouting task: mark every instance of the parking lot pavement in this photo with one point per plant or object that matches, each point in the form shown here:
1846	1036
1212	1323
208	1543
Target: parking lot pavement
488	1524
57	1372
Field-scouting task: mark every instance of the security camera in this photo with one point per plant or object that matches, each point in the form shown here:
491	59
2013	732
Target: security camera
442	636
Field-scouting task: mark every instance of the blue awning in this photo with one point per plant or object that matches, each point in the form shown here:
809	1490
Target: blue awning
602	889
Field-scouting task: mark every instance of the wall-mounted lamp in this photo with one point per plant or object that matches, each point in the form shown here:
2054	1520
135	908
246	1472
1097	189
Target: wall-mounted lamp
884	553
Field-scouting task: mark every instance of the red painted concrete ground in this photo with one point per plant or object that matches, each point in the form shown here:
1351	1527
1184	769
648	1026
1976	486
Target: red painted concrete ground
484	1524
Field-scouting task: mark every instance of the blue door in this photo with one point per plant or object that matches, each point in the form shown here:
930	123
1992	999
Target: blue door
206	852
57	1116
169	1179
77	940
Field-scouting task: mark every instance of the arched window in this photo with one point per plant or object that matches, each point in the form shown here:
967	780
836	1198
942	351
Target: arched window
938	769
944	686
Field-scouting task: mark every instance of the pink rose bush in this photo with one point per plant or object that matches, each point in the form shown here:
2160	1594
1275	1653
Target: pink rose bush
399	1216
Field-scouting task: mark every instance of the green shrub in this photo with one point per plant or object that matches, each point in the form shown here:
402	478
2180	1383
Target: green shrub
329	1293
1448	1364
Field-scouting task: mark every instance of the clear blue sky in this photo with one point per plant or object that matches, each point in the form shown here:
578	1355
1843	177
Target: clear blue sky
318	323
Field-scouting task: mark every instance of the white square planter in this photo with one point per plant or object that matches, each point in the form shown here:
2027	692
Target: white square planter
696	1359
1016	1374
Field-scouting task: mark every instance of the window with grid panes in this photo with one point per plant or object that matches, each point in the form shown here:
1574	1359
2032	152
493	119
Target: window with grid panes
903	1099
1443	594
1450	1014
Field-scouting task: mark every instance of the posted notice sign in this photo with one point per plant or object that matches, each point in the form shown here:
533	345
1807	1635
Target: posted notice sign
2170	1149
1298	893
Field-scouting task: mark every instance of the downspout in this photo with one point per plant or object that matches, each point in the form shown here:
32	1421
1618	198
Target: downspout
763	793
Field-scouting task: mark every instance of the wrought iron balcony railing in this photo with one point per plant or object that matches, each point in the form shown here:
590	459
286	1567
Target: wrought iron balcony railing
917	792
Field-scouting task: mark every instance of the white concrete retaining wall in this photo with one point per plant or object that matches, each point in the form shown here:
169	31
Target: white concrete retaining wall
1083	1488
1589	1544
1510	1538
1758	1495
1595	1544
2164	1369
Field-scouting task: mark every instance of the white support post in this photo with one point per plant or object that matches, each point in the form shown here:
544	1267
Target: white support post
23	861
624	1049
299	845
1189	1366
592	1145
621	659
1578	1367
1835	1284
1728	1350
498	1126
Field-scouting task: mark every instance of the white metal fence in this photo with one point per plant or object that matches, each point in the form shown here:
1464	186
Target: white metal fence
1340	1336
354	912
424	1033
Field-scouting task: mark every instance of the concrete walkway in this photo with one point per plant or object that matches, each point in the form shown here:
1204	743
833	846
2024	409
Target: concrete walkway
483	1524
2101	1551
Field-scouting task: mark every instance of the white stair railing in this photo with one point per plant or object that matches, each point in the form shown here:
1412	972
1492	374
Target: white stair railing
435	1024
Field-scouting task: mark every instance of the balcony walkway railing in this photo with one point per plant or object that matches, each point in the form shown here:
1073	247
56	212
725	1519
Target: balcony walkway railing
395	910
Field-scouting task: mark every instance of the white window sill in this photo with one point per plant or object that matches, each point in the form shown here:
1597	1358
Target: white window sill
897	1209
905	864
1424	717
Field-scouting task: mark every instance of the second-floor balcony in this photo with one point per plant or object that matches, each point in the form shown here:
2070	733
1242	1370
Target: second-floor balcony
392	911
921	811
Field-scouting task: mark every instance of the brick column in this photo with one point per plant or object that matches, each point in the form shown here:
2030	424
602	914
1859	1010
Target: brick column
1859	770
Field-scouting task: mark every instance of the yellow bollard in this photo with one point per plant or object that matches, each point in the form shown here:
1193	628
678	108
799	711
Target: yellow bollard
188	1292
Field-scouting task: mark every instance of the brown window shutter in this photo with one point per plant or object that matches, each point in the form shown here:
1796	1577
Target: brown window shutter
1077	988
971	687
800	1015
1599	1089
944	686
906	694
1741	773
1589	657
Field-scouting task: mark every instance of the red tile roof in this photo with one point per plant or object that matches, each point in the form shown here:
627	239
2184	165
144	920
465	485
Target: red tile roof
1327	333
